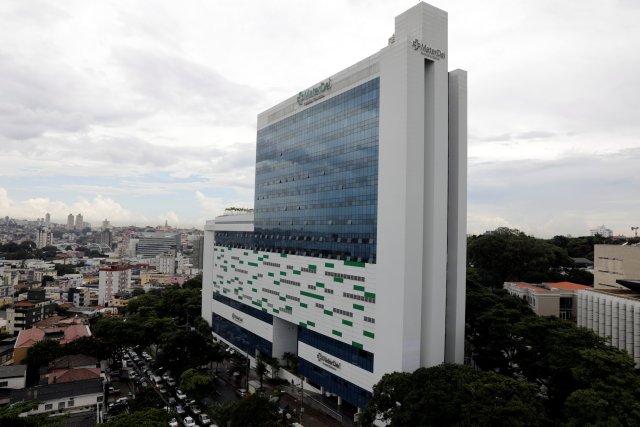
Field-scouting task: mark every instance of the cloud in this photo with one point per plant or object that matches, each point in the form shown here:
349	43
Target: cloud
569	195
93	210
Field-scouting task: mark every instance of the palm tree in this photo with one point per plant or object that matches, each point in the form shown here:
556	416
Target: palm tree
261	369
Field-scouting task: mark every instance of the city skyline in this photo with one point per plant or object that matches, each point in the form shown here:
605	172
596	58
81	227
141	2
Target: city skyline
145	114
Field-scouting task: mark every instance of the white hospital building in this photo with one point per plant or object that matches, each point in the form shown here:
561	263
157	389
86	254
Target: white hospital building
354	255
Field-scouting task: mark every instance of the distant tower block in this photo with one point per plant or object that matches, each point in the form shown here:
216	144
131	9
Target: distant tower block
47	218
70	221
79	222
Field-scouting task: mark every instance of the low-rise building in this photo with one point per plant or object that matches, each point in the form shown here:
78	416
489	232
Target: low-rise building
29	337
113	279
613	314
13	376
60	398
557	299
24	314
613	263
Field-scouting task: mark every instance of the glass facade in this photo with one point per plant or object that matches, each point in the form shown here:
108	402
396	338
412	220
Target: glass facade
343	351
247	309
246	341
334	384
317	180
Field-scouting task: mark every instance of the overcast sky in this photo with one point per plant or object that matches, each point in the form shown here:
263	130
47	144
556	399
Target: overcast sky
141	111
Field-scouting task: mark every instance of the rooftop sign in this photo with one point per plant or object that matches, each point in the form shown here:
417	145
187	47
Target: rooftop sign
432	53
314	93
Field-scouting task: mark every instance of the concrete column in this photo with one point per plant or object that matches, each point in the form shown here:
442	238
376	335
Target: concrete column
601	317
581	308
636	335
622	326
614	323
607	318
629	323
589	319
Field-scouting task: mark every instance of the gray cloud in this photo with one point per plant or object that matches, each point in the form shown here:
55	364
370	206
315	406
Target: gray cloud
568	194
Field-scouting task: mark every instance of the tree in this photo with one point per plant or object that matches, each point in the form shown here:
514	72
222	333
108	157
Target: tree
254	411
137	292
291	361
62	269
202	327
150	417
40	354
10	416
194	283
196	383
510	255
454	395
261	369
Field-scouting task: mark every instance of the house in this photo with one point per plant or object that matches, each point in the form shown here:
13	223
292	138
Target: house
59	398
29	337
557	299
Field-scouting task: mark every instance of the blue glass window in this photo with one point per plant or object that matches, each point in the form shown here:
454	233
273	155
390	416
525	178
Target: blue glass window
254	312
245	340
334	384
346	352
317	180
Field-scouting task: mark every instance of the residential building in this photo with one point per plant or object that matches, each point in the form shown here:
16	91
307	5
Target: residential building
613	263
155	243
47	218
79	222
70	222
111	280
44	237
559	299
76	396
29	337
14	376
602	231
354	258
106	238
24	314
196	258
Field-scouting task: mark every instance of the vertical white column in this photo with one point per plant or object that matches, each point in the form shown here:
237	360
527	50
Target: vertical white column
629	332
622	325
636	335
456	218
589	322
580	319
614	323
601	317
607	318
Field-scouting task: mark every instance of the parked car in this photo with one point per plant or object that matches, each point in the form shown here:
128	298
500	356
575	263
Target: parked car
180	410
189	422
162	389
180	395
173	423
241	392
171	382
204	420
195	410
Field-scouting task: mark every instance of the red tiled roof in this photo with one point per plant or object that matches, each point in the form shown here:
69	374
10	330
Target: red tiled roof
568	286
74	332
28	337
76	374
24	304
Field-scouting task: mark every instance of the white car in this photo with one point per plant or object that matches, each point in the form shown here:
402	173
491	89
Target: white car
180	395
204	419
189	422
173	423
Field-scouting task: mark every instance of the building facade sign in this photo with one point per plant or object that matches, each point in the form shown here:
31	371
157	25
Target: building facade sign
314	93
236	318
328	362
432	53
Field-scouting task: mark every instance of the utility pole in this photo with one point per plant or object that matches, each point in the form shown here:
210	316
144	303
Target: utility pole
635	229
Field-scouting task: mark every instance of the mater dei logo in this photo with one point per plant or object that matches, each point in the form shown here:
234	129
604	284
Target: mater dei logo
427	50
331	363
314	93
